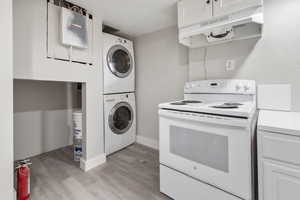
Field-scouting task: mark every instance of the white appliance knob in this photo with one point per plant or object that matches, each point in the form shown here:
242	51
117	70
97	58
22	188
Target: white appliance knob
246	88
187	86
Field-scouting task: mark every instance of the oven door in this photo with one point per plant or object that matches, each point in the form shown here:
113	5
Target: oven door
215	150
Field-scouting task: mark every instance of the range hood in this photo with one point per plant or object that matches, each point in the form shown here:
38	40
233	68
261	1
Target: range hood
239	26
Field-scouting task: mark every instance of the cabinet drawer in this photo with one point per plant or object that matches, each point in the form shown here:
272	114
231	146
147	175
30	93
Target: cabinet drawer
181	187
279	147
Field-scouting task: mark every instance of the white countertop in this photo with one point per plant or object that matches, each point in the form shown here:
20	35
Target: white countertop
279	122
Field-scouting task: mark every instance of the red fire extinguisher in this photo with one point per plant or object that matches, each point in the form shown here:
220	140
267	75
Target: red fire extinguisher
23	180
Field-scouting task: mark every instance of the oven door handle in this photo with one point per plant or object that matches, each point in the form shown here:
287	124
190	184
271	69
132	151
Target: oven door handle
204	118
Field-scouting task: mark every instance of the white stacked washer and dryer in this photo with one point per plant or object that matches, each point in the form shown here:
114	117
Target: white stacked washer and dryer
119	93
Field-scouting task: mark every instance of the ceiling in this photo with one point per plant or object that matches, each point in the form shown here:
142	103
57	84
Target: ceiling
138	17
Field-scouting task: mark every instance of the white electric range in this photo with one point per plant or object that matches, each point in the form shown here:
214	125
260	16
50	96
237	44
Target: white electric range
207	142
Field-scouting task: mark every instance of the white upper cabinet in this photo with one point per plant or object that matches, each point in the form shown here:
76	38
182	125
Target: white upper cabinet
198	11
225	7
194	11
56	49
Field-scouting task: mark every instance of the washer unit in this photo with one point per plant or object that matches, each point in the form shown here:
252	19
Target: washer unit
119	65
120	121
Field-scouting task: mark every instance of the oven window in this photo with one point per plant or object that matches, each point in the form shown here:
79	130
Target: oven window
204	148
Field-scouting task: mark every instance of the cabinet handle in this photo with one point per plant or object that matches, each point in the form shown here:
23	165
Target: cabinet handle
208	2
220	35
76	26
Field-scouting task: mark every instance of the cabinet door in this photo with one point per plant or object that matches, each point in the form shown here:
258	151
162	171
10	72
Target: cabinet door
194	11
55	48
280	182
224	7
85	55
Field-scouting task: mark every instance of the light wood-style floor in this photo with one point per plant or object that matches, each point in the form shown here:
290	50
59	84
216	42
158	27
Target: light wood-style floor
131	174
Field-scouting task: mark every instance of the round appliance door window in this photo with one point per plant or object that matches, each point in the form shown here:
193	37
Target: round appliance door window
119	61
121	118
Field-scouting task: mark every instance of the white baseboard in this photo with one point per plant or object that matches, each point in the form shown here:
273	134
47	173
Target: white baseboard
147	142
87	165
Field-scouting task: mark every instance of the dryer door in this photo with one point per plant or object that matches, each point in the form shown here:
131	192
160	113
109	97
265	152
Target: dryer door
119	61
121	118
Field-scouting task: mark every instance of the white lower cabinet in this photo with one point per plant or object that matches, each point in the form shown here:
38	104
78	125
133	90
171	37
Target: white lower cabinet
279	166
280	182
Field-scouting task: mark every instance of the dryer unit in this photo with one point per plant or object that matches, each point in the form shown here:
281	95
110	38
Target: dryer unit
118	64
120	121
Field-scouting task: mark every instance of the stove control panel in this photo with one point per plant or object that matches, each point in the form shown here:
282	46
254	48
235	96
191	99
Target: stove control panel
221	87
238	87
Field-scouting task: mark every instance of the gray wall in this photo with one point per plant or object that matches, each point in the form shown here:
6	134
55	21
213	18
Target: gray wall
161	71
42	116
6	101
272	59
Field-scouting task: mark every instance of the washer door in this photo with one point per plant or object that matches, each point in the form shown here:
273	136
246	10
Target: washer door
120	118
119	61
